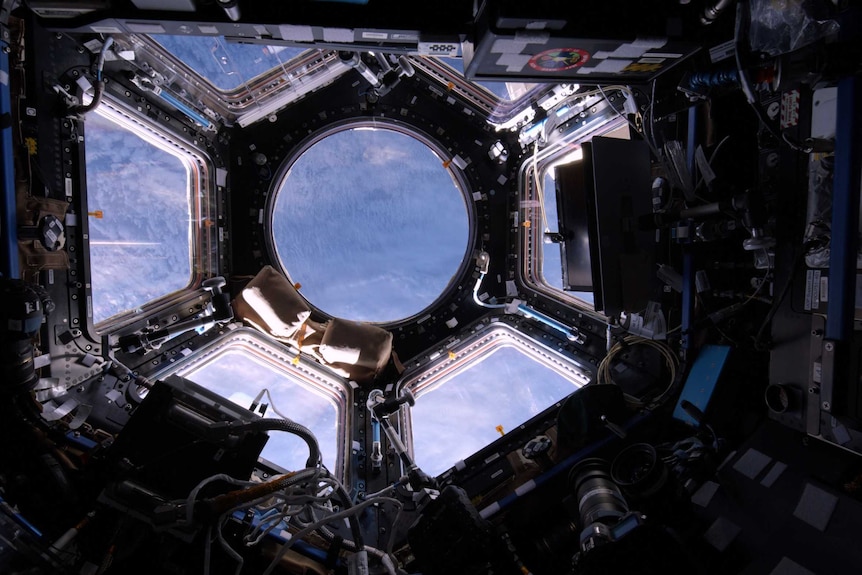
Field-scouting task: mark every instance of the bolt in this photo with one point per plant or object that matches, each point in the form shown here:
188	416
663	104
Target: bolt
829	346
826	406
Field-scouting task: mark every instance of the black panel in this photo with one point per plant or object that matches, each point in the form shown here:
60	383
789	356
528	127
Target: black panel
165	453
574	225
602	198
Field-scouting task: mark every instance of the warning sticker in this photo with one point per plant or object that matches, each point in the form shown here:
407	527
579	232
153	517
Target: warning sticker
643	67
789	109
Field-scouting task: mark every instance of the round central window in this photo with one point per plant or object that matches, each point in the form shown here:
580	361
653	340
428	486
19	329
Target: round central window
370	223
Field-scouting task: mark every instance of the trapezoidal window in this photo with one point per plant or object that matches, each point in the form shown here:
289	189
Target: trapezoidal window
489	386
227	65
370	219
150	226
249	371
555	141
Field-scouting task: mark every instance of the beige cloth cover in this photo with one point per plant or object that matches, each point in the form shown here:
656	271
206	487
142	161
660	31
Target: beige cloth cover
355	350
271	304
360	349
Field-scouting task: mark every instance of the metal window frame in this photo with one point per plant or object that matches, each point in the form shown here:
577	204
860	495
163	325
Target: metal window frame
283	360
467	354
203	241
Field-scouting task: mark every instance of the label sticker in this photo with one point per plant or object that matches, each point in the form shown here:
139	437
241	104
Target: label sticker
722	51
815	290
790	109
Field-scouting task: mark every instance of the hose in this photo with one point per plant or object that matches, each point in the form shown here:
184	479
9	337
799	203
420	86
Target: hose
289	426
99	88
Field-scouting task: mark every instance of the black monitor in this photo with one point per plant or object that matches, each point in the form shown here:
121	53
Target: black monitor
599	200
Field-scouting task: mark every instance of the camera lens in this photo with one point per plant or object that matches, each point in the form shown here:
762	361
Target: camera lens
599	498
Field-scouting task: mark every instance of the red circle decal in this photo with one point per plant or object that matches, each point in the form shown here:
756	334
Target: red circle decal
559	59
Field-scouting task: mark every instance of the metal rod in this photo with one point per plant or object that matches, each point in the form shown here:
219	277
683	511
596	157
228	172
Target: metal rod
845	212
8	223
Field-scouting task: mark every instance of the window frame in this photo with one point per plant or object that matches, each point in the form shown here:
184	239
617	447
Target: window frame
530	238
486	339
203	238
254	99
459	180
282	359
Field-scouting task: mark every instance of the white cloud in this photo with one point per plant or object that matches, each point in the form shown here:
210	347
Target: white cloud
383	155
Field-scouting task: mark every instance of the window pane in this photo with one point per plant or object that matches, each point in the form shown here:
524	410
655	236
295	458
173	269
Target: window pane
458	418
370	224
236	376
226	65
138	198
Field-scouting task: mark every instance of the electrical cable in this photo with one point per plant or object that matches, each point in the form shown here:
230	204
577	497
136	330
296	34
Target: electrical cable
603	374
709	162
776	303
99	88
652	114
745	82
272	406
479	301
621	114
762	281
351	512
287	425
190	500
292	491
540	187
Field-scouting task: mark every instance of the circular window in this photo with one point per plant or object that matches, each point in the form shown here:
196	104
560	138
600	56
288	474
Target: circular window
370	222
